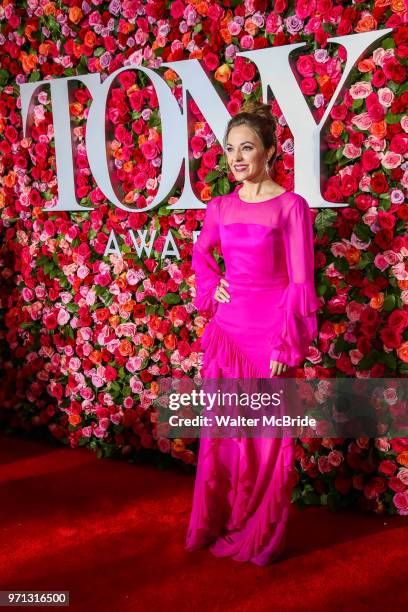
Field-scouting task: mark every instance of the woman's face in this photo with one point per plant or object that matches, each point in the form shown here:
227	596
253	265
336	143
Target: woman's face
246	156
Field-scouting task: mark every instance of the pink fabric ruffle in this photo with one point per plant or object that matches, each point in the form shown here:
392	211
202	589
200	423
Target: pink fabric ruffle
223	358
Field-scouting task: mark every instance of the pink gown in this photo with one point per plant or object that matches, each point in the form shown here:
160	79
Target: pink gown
243	485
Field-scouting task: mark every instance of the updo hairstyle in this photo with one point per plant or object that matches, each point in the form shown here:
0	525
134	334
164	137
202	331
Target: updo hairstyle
258	117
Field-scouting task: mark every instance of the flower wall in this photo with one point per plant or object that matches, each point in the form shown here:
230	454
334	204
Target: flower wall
84	338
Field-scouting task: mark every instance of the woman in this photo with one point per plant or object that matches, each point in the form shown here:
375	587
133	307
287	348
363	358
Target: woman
263	321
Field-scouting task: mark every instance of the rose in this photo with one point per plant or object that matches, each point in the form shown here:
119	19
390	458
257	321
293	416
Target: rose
360	90
401	502
308	86
370	160
379	183
305	66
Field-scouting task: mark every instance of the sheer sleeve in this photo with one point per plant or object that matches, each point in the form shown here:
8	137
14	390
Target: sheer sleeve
207	271
299	300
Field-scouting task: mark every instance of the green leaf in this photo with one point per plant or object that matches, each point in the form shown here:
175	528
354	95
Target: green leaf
325	218
211	176
388	43
172	298
389	360
223	186
34	76
393	119
389	303
4	76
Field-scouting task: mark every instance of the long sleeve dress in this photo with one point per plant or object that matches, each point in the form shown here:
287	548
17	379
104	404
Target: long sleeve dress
243	486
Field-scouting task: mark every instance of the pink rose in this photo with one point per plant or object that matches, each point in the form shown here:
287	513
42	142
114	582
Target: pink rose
324	465
305	66
360	90
385	96
335	458
403	475
401	502
391	160
308	86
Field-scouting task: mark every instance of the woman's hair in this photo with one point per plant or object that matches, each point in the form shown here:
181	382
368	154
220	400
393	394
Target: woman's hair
259	118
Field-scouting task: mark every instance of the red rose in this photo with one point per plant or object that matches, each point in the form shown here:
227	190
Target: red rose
370	160
386	220
387	467
399	144
398	319
349	185
308	86
379	183
50	321
177	9
391	338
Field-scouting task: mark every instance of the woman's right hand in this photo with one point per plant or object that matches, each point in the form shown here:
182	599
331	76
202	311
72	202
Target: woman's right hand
221	294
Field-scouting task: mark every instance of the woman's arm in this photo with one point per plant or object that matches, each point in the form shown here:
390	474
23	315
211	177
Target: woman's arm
207	271
299	300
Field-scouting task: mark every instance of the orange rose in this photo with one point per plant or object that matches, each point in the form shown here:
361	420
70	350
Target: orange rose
366	65
44	48
202	8
75	14
76	109
128	166
95	357
154	388
377	301
28	61
366	24
10	179
352	255
226	19
402	458
226	36
205	194
154	323
29	29
251	27
185	39
126	348
90	39
196	54
170	342
49	9
121	282
397	6
339	328
402	352
178	445
74	419
223	73
382	3
378	129
129	197
170	75
2	200
146	341
336	128
114	321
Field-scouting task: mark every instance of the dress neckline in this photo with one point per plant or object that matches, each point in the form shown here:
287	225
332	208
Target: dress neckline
260	201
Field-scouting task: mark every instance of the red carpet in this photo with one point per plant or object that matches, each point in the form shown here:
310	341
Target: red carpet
112	534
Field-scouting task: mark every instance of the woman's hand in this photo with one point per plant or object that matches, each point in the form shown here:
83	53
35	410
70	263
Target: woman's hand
221	294
277	368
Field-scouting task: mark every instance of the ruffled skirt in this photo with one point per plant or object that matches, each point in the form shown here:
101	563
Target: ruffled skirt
243	486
